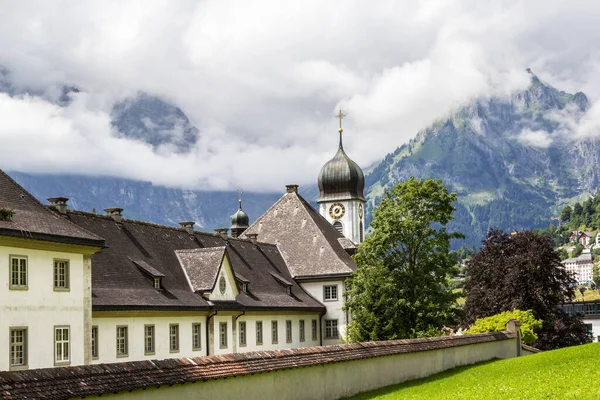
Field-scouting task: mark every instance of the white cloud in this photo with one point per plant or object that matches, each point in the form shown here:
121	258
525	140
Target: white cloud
261	80
540	139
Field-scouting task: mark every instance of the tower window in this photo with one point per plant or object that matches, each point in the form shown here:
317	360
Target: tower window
360	227
338	227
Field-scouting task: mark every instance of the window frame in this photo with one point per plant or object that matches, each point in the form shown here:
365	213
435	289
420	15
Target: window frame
18	286
196	336
259	333
332	289
174	338
67	277
152	337
314	330
274	332
288	331
62	342
223	342
242	333
25	350
94	342
329	329
301	330
125	339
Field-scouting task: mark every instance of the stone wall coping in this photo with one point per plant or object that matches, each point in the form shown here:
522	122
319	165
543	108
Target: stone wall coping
98	379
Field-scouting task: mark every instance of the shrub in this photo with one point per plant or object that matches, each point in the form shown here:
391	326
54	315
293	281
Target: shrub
6	214
497	323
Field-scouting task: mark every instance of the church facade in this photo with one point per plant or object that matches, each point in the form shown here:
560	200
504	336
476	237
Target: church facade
82	288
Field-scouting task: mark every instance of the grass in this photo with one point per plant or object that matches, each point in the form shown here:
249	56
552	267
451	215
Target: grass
570	373
588	295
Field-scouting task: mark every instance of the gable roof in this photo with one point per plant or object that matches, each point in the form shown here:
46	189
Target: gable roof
119	284
310	245
34	221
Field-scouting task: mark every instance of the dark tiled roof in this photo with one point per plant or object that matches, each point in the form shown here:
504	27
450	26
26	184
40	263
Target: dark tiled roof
94	380
33	220
201	266
118	284
309	244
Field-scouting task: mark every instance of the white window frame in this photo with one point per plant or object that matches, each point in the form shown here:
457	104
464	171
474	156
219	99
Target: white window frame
18	345
149	339
22	273
223	335
61	279
315	330
330	293
242	333
196	336
259	333
62	346
274	332
331	329
288	331
94	342
174	338
122	341
301	328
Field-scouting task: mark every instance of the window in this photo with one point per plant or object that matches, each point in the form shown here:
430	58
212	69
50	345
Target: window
149	339
259	335
314	330
157	283
288	331
18	272
242	333
61	345
274	332
174	337
18	348
360	229
122	346
61	274
196	336
338	227
331	329
589	327
302	337
330	293
94	342
223	334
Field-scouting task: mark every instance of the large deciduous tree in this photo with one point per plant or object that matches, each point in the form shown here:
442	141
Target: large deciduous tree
400	288
522	271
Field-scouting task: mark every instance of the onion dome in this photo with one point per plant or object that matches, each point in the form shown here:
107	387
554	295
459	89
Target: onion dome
341	178
239	221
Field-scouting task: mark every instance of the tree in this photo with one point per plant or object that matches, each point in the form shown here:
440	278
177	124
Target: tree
577	250
522	271
565	215
577	209
400	288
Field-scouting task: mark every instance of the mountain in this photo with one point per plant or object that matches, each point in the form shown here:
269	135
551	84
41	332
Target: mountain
512	161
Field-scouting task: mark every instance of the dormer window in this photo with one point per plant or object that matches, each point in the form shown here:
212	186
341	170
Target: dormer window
289	290
284	282
150	272
157	282
245	287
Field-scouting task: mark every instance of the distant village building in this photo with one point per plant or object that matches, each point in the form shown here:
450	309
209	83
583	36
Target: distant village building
585	238
581	267
82	288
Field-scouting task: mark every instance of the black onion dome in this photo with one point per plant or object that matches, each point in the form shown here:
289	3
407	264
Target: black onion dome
341	178
240	219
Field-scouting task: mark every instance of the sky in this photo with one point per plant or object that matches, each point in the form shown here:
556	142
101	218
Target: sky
262	80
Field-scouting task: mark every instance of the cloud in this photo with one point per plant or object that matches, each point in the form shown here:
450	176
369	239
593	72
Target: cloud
540	139
261	81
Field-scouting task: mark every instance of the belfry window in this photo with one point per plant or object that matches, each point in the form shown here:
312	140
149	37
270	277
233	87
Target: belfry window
338	227
360	227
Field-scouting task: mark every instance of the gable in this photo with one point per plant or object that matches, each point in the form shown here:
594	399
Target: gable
225	288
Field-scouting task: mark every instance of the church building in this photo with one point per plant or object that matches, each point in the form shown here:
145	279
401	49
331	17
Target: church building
124	290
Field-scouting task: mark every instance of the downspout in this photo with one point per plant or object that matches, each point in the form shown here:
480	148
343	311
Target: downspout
321	327
208	332
234	328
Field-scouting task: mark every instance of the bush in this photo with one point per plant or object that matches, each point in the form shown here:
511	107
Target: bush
497	323
6	214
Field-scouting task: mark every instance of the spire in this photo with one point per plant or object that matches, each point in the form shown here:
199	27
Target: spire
340	115
239	220
240	191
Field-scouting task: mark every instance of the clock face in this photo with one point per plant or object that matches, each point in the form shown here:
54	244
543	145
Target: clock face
337	210
360	210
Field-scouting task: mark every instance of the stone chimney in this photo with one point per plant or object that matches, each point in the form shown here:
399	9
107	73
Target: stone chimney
253	237
222	232
115	213
291	188
188	226
59	204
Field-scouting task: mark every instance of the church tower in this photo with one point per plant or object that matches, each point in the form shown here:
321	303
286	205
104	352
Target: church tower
341	200
239	220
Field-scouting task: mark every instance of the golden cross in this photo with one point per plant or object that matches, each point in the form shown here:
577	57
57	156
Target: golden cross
340	115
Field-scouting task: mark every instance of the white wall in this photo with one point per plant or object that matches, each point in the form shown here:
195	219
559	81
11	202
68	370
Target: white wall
350	220
40	308
107	336
595	327
334	308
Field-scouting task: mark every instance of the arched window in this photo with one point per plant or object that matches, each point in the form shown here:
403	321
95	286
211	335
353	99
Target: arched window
339	227
360	227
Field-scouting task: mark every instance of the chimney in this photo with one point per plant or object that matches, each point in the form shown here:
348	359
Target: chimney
115	213
222	232
59	204
188	226
291	188
253	237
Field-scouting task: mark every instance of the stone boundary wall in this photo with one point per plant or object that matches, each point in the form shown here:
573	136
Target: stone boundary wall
304	373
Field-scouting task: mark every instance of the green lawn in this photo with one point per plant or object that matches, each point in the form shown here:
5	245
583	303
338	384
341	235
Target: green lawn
571	373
